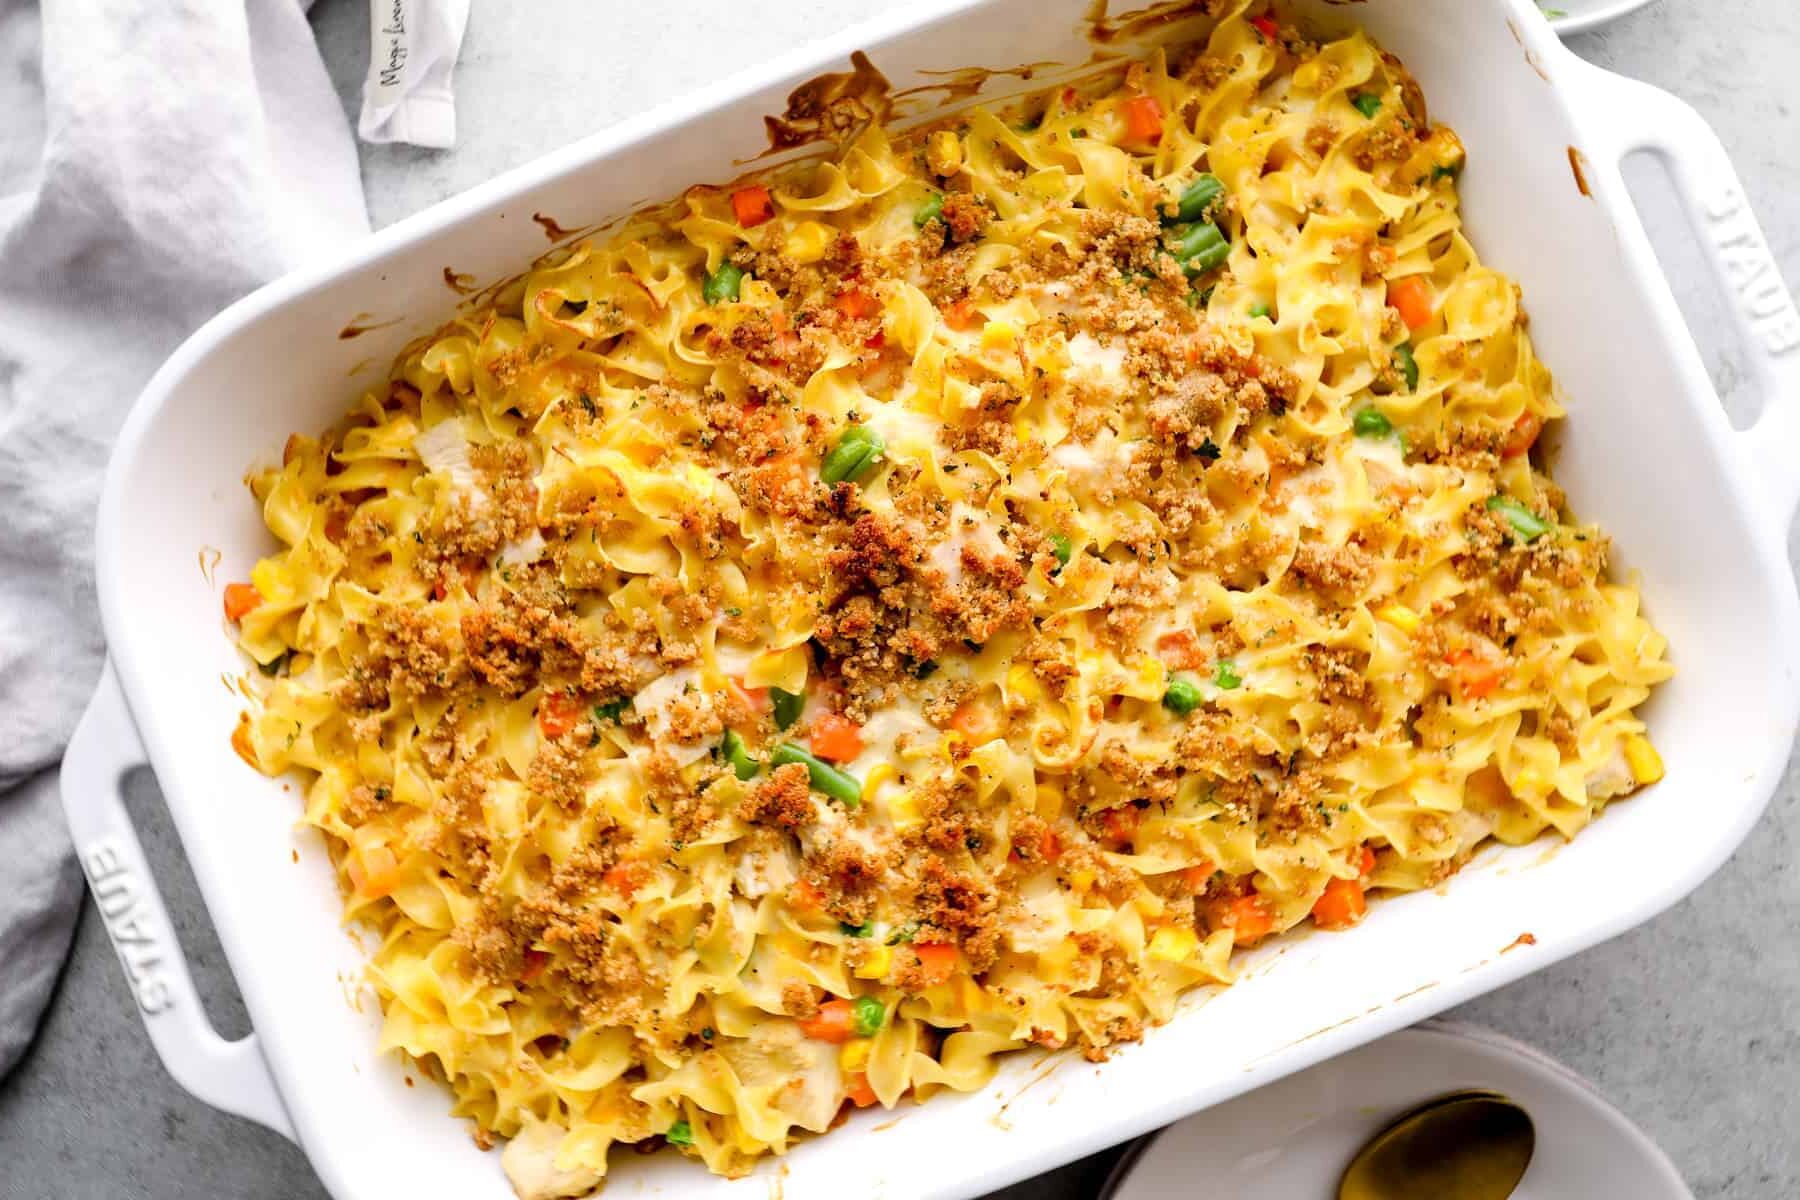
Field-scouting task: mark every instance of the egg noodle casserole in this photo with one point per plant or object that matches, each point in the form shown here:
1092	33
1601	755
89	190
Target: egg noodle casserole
825	633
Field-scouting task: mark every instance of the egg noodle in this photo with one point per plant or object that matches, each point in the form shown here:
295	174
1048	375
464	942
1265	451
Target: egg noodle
834	631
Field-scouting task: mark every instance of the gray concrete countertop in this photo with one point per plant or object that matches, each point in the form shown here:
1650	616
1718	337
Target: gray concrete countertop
1691	1023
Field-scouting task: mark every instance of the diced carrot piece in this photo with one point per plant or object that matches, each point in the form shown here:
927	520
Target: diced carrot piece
1524	435
240	600
1246	916
557	714
535	962
752	700
962	315
836	738
1144	119
1412	297
1195	877
1477	670
1049	846
1181	650
1266	26
805	897
624	878
936	960
752	205
374	872
1341	906
859	1092
835	1022
1367	863
1121	824
856	304
975	720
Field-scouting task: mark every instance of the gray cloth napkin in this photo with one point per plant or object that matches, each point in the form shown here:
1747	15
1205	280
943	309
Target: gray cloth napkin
168	157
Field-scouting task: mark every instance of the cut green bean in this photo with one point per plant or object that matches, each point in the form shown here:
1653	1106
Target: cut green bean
1527	524
611	711
723	284
1196	199
1200	248
787	706
1063	548
824	777
737	756
856	451
1182	696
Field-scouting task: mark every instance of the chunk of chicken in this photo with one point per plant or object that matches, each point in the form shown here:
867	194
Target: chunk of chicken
529	1161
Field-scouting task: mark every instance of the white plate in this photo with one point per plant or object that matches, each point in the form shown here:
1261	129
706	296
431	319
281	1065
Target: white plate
1293	1137
1582	15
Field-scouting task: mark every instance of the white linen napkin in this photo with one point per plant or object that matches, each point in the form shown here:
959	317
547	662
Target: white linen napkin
190	150
407	96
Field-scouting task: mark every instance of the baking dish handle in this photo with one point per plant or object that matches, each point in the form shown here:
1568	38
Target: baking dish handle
228	1075
1640	117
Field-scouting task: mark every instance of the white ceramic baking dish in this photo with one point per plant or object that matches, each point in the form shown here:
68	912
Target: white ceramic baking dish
1699	509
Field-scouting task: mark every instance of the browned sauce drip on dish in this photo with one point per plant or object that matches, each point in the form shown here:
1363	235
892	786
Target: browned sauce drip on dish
832	107
552	230
965	83
458	282
363	323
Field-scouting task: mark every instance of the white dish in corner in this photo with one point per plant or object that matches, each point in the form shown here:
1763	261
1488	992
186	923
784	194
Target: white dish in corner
1579	16
1293	1138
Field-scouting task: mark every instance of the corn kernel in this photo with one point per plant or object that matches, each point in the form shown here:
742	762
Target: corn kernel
808	241
997	335
1022	682
855	1055
1173	943
943	153
1400	617
876	964
903	811
1081	878
1646	764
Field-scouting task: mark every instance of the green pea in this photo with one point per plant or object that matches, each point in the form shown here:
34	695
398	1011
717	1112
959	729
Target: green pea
680	1134
723	284
1182	696
868	1015
866	929
1371	423
1367	103
930	211
1225	675
1260	309
610	712
1063	548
